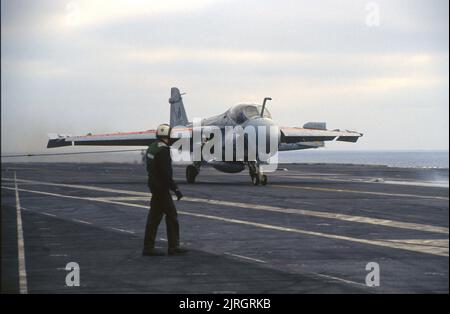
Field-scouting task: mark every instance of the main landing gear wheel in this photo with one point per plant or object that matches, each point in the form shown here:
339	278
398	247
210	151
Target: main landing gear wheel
258	178
191	174
263	180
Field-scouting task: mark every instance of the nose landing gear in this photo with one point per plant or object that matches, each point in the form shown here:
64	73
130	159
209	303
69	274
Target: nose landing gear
256	174
192	172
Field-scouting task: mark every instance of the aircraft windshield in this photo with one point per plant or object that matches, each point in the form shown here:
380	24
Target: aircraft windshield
242	113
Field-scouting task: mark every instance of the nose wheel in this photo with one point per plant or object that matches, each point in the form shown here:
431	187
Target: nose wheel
191	173
257	176
263	180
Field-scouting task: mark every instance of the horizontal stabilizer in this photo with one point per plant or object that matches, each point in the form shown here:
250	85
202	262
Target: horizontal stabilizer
58	142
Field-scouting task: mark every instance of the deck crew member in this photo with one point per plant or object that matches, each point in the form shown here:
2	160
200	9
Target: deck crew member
160	183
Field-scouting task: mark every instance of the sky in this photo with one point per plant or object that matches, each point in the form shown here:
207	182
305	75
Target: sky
377	67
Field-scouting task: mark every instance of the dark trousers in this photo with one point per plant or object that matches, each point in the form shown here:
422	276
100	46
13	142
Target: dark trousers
162	204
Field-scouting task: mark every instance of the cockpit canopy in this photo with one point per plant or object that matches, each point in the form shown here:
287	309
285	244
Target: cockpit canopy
242	113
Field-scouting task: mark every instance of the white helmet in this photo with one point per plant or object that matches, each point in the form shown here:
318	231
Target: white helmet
163	131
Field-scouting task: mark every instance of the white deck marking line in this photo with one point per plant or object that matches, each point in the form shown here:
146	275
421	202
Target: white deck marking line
58	255
304	212
245	257
339	279
48	214
224	292
443	184
359	192
122	230
272	185
82	221
84	187
434	250
126	198
403	246
437	184
424	242
23	285
291	176
52	215
328	215
20	168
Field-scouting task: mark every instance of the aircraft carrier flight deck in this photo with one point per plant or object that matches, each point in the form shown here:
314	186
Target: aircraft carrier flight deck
312	229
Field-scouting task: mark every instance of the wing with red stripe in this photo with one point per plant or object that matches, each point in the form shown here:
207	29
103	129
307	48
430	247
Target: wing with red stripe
143	138
297	135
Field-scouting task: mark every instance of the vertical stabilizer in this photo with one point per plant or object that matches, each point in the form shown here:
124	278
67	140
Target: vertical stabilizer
178	115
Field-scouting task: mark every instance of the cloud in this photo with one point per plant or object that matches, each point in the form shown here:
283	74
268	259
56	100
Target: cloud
35	69
85	13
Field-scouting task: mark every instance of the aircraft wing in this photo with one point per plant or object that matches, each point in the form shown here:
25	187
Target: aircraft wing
298	135
143	138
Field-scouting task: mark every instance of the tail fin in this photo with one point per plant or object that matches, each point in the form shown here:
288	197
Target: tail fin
177	113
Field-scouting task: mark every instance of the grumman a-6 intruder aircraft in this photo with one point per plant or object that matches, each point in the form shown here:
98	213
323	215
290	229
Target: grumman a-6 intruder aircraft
229	125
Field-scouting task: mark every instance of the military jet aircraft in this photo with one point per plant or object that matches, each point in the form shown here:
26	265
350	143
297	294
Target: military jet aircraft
311	135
